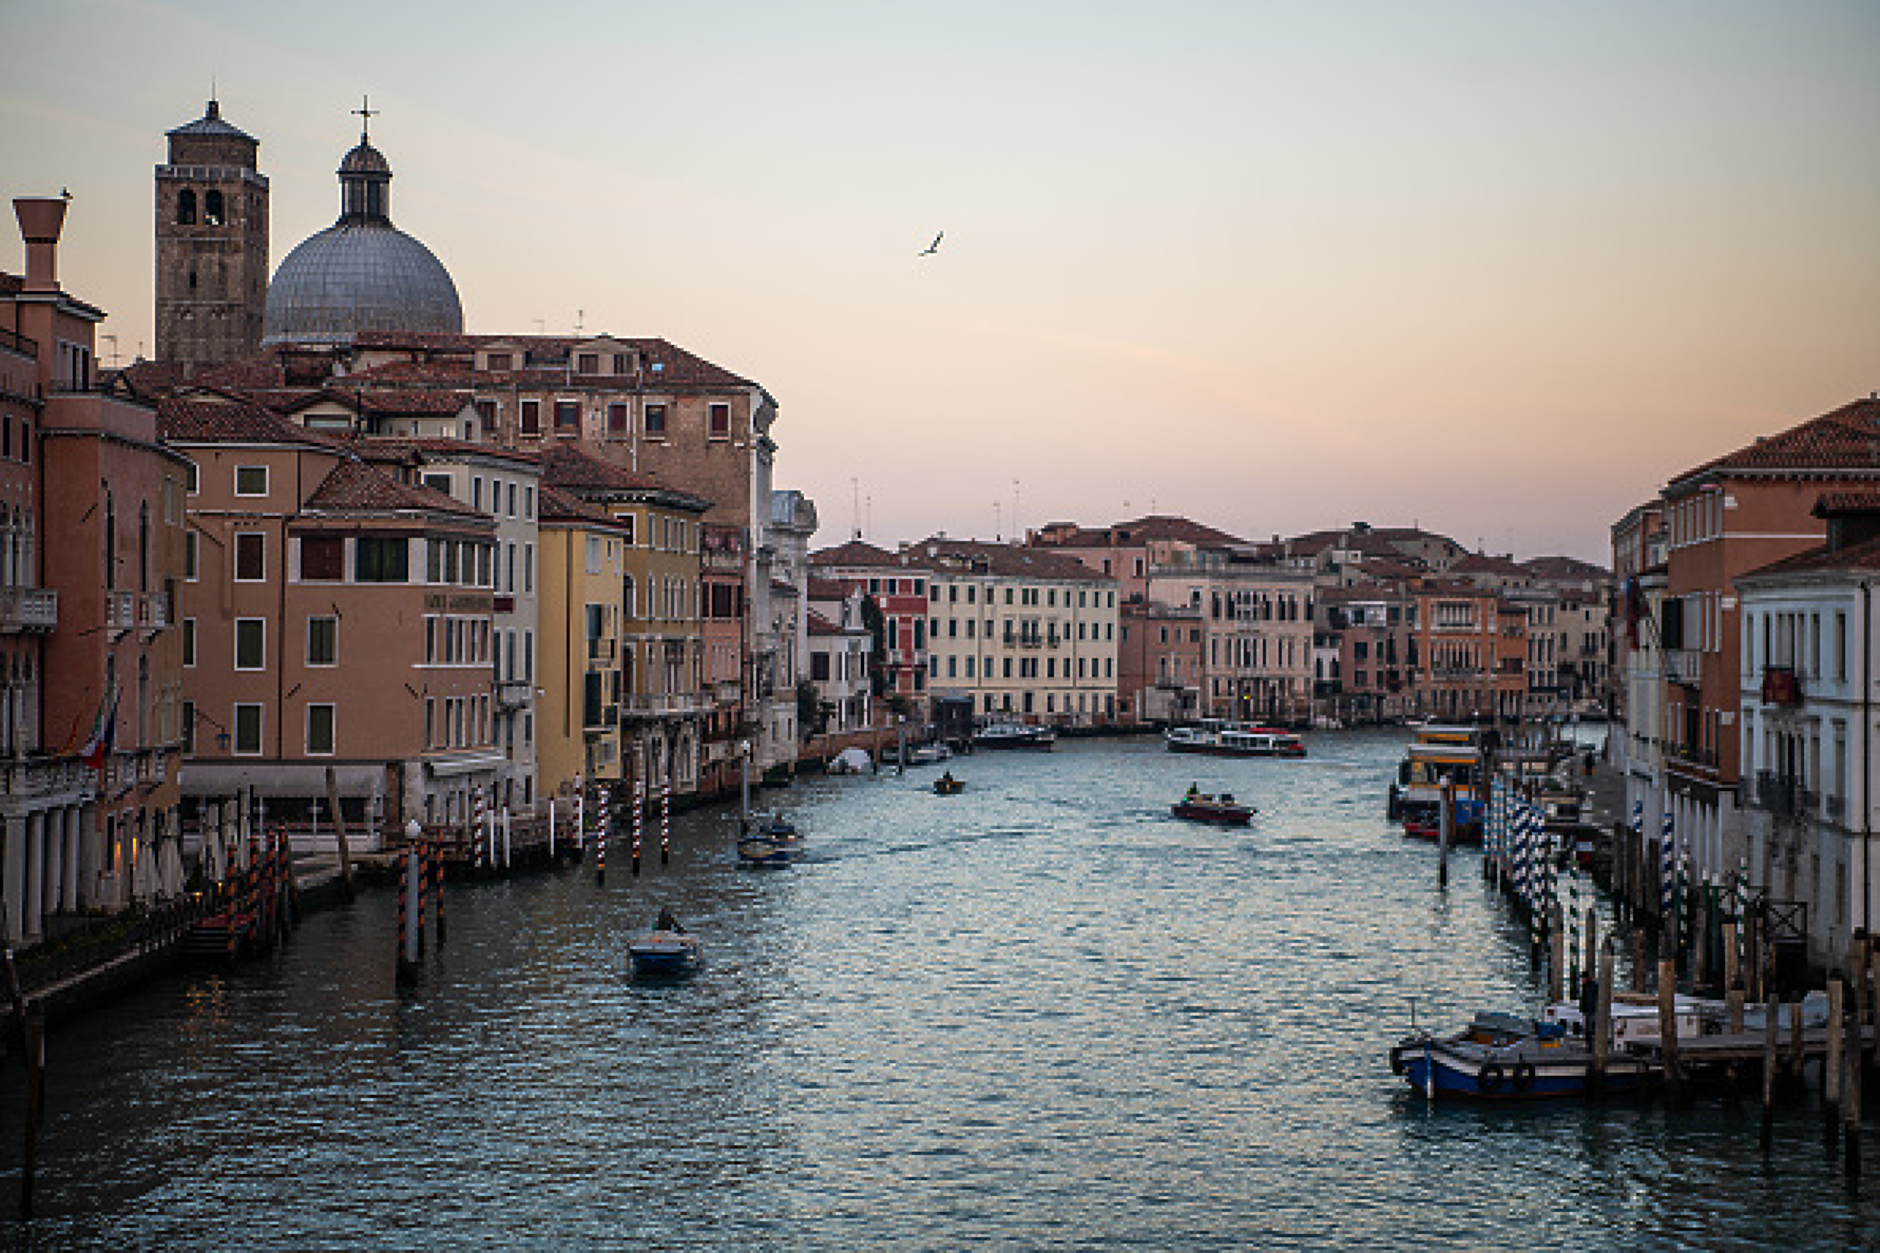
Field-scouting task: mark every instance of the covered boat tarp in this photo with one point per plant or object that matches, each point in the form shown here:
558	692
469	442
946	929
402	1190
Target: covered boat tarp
170	869
850	761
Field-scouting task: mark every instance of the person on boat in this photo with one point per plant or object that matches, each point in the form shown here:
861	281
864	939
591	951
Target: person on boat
1194	790
947	778
667	922
1589	1001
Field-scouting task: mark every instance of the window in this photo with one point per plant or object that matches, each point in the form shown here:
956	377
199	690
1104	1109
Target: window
189	641
499	361
528	569
588	363
190	483
322	641
476	492
438	483
189	556
248	730
186	207
593	556
567	415
251	557
720	420
528	502
322	558
212	214
319	730
251	643
617	419
656	421
251	480
381	560
531	411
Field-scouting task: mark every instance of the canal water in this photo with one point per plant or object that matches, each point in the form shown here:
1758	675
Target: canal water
1041	1014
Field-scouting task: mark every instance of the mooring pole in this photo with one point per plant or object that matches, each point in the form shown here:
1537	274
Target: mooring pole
1445	822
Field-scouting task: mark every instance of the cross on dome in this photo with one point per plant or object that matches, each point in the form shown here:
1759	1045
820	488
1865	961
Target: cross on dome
366	113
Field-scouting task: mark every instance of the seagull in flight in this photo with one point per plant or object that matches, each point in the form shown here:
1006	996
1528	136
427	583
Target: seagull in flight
932	248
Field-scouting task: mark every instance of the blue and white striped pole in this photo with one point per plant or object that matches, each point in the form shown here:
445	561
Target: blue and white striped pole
1668	853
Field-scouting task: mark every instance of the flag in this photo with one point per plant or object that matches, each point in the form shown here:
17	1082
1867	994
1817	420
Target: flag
103	731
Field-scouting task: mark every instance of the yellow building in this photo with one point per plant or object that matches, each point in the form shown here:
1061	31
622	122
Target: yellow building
663	705
578	690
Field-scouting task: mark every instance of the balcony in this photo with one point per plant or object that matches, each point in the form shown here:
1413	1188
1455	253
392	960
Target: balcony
28	609
513	694
27	778
1781	686
153	614
120	613
659	704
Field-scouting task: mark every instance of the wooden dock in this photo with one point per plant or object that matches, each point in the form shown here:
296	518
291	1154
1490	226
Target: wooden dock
1743	1046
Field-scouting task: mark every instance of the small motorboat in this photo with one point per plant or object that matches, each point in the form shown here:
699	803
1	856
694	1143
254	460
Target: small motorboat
1506	1057
1224	809
947	785
773	842
665	952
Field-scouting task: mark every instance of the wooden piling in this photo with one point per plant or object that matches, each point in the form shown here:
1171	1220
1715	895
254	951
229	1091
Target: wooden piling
339	834
1856	1047
1601	1026
1445	821
1798	1057
1668	1021
1700	938
1556	956
1592	943
1732	970
1831	1067
1772	1027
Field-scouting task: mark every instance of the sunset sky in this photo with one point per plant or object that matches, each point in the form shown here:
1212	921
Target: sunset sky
1499	269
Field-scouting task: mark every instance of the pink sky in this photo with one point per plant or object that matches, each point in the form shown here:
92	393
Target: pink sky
1498	270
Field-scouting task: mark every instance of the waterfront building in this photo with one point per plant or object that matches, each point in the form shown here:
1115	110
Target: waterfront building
585	555
335	613
1736	513
1808	655
1129	551
663	704
784	652
839	646
1256	616
1368	633
211	244
91	510
1638	563
1460	646
723	621
1021	633
896	583
1158	663
505	486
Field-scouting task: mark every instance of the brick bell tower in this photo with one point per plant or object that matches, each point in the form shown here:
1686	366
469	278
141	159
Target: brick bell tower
212	245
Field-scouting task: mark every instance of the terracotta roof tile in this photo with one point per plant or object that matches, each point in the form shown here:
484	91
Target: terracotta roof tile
558	506
189	420
355	485
1846	502
1862	556
1152	527
1846	439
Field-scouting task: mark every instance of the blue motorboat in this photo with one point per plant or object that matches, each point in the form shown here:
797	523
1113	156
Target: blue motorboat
663	952
1506	1057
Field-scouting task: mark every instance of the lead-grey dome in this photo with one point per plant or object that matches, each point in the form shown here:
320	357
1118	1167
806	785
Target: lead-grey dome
361	273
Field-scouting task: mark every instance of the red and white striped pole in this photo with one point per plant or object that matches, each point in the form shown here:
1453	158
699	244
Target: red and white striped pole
665	820
639	807
600	836
476	828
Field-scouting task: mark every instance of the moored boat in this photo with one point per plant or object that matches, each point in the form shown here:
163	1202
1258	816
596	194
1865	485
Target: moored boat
1215	738
1014	735
947	785
1223	809
1502	1057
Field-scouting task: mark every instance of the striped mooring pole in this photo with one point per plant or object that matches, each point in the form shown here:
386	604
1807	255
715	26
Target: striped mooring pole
639	810
665	821
600	835
476	828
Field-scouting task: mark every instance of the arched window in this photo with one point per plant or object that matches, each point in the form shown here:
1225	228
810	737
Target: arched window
212	209
186	208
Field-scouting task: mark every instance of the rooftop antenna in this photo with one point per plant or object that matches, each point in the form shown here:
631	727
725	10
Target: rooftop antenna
998	524
1014	509
113	341
580	316
855	506
868	512
366	113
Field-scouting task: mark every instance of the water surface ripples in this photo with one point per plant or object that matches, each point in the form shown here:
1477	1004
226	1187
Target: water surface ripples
1041	1014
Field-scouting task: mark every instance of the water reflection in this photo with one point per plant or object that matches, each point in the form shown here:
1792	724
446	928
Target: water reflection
1039	1014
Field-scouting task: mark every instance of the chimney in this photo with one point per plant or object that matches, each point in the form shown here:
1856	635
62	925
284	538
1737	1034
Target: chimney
41	220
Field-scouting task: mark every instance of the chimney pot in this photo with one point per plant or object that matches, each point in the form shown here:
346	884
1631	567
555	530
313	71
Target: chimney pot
41	220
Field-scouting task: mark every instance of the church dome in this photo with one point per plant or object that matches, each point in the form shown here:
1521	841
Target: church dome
361	273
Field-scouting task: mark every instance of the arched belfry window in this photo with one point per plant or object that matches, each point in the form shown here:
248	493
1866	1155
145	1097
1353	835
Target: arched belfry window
212	209
186	208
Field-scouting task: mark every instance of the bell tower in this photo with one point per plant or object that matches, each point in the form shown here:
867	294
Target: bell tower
212	244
